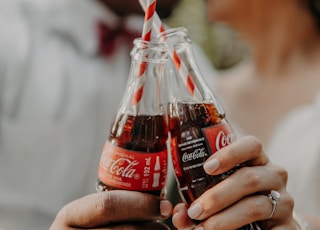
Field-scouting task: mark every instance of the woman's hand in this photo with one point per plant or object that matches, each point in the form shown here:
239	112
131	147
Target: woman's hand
242	198
117	209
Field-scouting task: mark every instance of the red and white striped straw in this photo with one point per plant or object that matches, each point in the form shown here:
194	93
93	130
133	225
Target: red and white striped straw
150	11
158	27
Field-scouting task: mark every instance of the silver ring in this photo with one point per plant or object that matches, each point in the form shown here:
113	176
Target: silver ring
274	197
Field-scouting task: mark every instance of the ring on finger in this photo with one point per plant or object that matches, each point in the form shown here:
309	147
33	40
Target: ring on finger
274	196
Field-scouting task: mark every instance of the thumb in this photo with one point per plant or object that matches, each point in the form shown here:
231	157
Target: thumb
107	207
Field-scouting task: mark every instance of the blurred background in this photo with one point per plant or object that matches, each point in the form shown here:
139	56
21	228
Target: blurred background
221	44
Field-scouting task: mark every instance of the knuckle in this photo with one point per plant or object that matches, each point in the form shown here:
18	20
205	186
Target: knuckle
281	173
255	209
212	197
143	204
288	201
251	178
256	145
106	203
150	206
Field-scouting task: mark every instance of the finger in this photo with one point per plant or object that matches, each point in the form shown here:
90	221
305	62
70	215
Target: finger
180	217
114	206
240	214
281	213
247	150
244	182
251	210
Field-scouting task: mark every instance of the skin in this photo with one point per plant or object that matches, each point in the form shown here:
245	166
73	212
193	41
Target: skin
133	210
242	197
114	210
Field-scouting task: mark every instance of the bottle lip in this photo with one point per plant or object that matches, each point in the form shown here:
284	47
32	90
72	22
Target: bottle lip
156	45
181	31
142	50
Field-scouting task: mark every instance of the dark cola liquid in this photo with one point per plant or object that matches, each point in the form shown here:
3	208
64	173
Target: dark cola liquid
190	149
143	133
186	122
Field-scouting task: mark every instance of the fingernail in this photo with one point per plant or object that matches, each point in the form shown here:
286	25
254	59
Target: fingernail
195	210
165	208
198	228
211	165
174	217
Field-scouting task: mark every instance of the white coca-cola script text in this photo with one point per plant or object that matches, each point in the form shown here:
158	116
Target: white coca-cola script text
123	167
196	154
223	139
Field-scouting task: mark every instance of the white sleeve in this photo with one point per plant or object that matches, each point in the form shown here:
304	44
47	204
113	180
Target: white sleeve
14	33
15	44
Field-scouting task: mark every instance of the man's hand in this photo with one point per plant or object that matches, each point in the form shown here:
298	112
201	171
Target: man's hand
116	209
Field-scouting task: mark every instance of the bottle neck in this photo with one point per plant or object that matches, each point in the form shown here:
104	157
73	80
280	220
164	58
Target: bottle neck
201	89
180	44
142	96
147	87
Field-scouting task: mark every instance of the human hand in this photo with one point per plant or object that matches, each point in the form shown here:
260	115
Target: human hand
242	198
116	209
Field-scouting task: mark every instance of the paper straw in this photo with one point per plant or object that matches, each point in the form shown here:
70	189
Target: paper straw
146	36
156	21
158	27
148	19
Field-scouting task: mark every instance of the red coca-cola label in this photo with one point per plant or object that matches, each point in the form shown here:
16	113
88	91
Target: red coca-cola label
192	153
219	136
132	170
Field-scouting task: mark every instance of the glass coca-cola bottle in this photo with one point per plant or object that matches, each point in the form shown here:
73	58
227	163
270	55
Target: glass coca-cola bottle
197	123
135	154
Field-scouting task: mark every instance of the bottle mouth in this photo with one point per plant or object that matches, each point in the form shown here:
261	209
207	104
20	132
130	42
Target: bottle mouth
149	51
179	33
